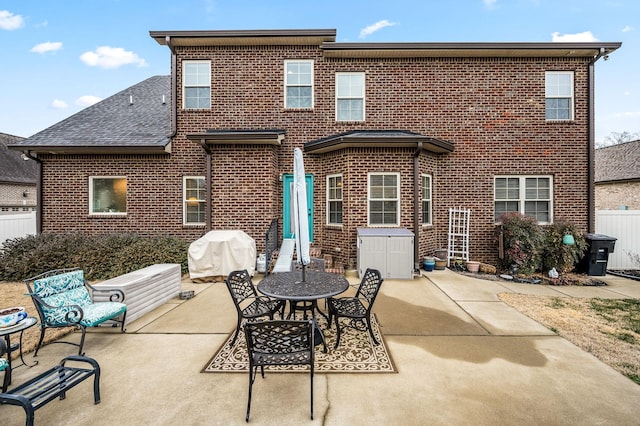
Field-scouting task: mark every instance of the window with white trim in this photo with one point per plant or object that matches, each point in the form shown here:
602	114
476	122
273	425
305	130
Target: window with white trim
558	95
196	84
298	82
334	199
194	200
384	199
108	195
426	199
350	96
529	195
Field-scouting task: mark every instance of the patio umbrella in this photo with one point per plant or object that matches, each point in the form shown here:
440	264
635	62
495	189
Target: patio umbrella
300	217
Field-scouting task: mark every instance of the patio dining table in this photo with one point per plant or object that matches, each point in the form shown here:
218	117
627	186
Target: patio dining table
317	285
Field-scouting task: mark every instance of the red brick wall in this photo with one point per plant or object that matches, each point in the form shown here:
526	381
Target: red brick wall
492	110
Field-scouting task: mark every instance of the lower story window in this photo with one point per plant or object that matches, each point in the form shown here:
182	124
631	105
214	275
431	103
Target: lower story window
426	200
384	199
193	200
334	199
529	195
108	195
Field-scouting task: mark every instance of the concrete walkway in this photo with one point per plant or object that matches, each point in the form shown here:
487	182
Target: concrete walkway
463	357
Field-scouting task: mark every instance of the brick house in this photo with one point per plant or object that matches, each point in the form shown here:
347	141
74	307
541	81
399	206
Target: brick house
617	176
17	179
393	135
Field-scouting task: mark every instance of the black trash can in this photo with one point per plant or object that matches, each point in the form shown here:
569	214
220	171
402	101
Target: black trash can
596	258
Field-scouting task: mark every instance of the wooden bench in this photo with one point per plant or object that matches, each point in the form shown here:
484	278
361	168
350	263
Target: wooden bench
52	384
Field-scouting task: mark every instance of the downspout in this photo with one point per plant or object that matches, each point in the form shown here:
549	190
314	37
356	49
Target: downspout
416	207
207	184
174	88
38	190
591	148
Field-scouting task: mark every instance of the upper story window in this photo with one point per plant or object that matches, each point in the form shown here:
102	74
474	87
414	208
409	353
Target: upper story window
559	95
384	199
298	82
108	195
193	200
196	84
529	195
426	200
350	96
334	199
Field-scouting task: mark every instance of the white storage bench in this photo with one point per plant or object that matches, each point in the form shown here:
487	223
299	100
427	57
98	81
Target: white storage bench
145	289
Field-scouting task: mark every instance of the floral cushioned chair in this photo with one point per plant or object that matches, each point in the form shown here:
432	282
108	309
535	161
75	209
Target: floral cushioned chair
62	299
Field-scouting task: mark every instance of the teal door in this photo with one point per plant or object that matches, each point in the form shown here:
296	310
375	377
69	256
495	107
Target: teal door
287	206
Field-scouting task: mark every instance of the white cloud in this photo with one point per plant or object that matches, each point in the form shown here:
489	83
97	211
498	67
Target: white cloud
58	104
628	28
572	38
489	3
375	27
111	57
47	47
9	21
87	100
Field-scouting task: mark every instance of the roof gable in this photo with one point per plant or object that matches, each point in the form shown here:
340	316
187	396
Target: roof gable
135	120
618	162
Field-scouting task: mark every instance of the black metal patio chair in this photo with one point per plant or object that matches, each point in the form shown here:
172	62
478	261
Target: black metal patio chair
357	308
248	303
279	343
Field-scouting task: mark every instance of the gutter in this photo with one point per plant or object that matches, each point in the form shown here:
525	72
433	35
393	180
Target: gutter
416	207
591	208
174	88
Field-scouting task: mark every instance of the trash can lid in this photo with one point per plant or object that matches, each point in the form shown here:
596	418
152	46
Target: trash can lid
599	237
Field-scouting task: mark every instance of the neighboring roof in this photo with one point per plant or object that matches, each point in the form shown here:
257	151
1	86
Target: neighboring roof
13	168
135	120
326	39
619	162
379	139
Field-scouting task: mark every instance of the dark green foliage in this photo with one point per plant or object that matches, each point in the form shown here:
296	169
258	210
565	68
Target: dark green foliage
561	256
101	257
523	238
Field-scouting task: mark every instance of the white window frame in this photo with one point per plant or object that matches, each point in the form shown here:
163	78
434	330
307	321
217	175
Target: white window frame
290	81
202	80
555	90
428	199
350	95
97	208
395	199
523	197
187	198
332	197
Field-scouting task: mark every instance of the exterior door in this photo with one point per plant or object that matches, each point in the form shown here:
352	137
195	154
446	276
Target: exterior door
287	206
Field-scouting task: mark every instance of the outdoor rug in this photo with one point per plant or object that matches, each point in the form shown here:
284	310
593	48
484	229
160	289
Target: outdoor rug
356	354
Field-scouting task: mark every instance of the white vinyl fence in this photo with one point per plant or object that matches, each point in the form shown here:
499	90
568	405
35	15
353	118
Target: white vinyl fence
625	226
17	225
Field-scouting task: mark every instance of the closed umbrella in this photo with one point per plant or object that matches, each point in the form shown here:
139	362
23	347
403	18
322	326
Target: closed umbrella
300	217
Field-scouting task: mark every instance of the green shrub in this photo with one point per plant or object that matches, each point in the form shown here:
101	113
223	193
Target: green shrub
558	255
522	238
100	256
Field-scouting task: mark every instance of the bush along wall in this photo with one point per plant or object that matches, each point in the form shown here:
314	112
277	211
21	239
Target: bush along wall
100	256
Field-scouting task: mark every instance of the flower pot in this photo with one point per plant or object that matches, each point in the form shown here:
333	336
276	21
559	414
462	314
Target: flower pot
441	253
473	266
441	264
428	263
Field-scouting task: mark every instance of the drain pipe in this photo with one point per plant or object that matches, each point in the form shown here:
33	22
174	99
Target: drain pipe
207	184
416	207
591	223
174	88
28	154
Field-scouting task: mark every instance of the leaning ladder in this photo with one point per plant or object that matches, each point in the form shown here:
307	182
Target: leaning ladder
458	242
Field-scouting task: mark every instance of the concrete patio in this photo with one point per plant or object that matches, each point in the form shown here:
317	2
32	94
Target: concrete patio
463	357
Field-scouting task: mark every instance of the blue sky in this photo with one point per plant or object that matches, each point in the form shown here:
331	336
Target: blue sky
58	57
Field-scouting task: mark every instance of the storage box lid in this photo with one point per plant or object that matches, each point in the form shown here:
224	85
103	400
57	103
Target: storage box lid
384	232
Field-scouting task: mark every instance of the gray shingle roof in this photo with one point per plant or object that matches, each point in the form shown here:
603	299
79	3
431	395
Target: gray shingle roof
114	124
13	169
618	162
